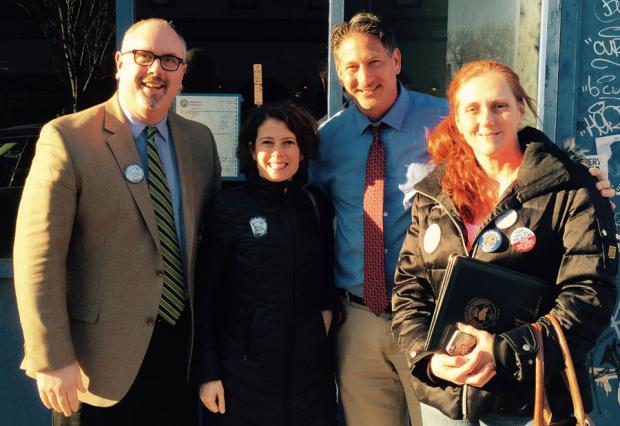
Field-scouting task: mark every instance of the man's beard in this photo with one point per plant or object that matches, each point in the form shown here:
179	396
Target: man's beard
150	102
153	101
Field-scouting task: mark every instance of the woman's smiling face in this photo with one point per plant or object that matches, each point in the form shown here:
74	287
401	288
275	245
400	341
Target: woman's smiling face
488	115
276	151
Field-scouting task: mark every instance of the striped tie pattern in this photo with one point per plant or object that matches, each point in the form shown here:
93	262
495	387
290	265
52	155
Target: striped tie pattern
173	296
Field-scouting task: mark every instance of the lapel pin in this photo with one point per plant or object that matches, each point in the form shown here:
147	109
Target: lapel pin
133	173
432	238
259	226
506	219
490	240
523	240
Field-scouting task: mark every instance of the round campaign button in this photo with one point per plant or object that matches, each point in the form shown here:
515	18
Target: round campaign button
490	240
523	240
133	173
432	238
506	219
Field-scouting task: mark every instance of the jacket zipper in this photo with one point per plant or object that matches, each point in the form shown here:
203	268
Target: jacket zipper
287	394
248	335
474	247
456	225
464	401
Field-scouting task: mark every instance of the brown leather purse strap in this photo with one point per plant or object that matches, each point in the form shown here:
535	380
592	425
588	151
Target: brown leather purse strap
569	373
542	414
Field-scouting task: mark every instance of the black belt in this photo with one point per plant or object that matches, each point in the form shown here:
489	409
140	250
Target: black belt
351	298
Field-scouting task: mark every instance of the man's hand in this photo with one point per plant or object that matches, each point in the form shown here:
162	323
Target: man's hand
212	396
58	388
603	184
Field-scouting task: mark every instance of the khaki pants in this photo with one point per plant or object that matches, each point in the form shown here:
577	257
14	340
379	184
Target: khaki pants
374	381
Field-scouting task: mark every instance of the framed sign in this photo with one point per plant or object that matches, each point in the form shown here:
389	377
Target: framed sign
221	113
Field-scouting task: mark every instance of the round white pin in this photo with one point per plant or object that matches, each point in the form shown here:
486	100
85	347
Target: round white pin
432	238
133	173
506	219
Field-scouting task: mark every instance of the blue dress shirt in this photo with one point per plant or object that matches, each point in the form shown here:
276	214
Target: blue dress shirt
340	171
169	163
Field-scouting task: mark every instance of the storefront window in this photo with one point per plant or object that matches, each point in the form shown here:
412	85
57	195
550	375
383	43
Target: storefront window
289	40
226	38
436	37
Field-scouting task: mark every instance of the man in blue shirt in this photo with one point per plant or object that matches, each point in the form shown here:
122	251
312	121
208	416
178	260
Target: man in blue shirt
373	377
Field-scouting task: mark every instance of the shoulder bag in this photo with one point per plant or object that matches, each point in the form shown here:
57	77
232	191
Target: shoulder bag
542	411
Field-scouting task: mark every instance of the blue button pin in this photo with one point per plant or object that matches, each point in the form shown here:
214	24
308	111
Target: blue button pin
490	240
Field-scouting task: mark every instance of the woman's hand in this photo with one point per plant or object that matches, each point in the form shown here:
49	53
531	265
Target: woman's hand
480	359
212	396
475	368
449	368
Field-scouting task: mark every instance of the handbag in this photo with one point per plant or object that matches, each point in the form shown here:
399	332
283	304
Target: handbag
542	411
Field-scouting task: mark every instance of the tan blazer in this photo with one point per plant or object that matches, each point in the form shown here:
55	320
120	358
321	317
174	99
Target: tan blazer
86	258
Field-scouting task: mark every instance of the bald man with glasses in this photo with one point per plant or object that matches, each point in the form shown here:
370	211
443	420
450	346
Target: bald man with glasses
105	244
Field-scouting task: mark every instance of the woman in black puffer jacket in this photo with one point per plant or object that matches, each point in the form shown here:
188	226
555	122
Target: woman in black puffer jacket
513	199
265	289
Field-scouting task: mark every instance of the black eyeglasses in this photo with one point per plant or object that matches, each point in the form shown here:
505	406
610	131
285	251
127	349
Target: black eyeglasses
146	58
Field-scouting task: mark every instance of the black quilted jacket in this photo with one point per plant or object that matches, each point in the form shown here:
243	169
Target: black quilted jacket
575	252
265	275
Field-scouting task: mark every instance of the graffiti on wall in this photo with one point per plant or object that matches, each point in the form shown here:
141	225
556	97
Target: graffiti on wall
600	88
605	361
598	132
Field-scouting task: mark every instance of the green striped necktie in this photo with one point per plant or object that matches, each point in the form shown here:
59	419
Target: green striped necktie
173	296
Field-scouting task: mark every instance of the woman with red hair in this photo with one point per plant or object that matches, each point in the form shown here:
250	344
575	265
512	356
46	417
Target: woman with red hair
507	196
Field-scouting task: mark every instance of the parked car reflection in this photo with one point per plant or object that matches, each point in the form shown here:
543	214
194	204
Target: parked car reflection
16	151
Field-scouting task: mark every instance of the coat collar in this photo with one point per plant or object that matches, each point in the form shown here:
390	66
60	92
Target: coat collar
544	165
123	147
267	188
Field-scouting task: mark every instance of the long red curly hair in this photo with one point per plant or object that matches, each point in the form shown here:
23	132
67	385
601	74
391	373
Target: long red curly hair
464	178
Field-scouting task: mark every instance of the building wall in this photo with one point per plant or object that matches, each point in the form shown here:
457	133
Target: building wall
588	111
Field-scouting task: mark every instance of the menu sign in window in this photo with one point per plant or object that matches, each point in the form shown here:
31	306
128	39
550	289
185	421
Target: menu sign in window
221	113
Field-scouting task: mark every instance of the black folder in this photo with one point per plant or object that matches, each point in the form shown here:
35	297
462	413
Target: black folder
486	296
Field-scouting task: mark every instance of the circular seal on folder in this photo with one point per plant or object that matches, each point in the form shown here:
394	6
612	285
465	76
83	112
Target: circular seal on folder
481	313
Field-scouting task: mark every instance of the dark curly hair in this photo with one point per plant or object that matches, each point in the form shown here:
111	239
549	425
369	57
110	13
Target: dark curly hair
298	121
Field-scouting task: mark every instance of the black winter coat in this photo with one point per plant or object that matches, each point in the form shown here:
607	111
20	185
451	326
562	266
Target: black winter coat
575	252
266	273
